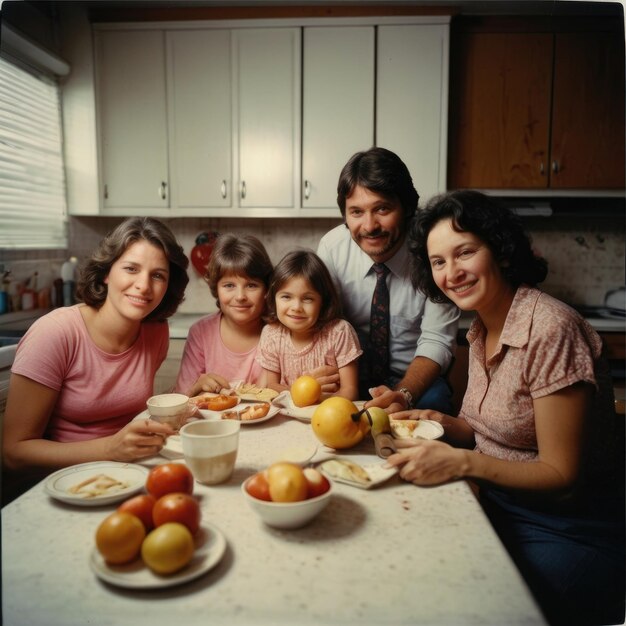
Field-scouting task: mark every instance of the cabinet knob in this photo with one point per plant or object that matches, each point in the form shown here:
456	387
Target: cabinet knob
555	167
106	192
162	192
243	189
542	169
307	189
223	189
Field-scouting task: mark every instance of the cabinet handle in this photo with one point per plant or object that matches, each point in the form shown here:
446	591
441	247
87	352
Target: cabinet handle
307	189
106	192
243	189
555	167
162	193
542	169
223	188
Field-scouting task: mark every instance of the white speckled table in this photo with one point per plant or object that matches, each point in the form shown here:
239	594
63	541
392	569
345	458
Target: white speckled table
396	554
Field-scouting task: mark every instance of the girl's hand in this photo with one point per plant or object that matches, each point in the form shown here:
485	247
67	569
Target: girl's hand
327	376
139	439
212	383
428	462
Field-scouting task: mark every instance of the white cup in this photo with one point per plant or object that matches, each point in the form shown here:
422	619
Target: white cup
210	449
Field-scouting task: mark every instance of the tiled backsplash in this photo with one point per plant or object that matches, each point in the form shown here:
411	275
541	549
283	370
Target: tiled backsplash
585	255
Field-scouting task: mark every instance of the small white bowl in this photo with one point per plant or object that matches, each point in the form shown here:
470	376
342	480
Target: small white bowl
169	408
287	515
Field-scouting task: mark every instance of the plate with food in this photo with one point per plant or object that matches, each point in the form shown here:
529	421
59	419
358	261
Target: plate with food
363	476
245	412
416	429
215	401
97	483
210	545
253	393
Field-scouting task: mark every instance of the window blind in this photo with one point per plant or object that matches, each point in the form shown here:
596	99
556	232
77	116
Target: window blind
33	209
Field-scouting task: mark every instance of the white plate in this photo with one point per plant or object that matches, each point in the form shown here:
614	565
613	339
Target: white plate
210	547
58	484
425	429
217	415
376	471
286	406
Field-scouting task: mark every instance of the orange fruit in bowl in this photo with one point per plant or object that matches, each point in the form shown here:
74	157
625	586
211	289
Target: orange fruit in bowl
119	537
337	423
305	391
287	482
168	548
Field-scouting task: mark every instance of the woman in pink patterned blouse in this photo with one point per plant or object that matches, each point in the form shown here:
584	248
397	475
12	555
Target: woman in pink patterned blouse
537	429
305	333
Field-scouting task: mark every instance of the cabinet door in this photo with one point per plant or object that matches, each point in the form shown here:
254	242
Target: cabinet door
500	110
199	85
588	111
132	119
337	107
267	115
411	101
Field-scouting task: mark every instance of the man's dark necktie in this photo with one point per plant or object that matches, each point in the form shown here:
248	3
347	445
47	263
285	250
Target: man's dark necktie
379	328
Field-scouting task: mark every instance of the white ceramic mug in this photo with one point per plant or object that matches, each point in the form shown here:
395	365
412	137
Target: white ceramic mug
210	449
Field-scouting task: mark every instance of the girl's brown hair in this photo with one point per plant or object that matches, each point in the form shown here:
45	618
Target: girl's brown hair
241	255
307	264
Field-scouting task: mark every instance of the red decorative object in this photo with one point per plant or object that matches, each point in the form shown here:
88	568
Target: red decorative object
201	252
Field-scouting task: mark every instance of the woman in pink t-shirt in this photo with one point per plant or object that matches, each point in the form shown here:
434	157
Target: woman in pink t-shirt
82	373
305	334
537	429
222	347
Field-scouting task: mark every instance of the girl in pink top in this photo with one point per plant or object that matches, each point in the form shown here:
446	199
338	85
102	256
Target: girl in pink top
82	373
537	429
305	334
222	347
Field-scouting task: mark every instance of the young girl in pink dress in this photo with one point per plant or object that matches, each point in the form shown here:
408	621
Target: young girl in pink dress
222	347
305	332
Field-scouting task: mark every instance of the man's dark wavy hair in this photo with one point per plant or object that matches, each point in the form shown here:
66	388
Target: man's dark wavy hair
497	226
91	288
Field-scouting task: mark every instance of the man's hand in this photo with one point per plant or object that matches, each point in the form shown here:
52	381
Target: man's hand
387	399
327	376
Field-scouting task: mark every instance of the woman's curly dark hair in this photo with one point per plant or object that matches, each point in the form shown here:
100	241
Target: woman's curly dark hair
307	264
91	288
498	227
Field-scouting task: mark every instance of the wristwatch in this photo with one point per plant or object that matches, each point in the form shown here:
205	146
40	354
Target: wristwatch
408	396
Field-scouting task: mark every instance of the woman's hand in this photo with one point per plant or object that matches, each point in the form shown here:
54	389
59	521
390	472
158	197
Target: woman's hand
428	462
139	439
212	383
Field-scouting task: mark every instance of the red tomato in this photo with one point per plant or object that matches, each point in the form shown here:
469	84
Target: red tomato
177	507
169	478
317	483
258	487
141	506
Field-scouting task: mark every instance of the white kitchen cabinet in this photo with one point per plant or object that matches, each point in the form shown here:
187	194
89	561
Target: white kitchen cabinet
267	116
337	106
200	133
132	121
165	378
412	100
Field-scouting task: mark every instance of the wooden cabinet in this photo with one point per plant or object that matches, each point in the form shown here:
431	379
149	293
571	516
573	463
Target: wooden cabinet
536	110
411	100
337	107
132	119
200	129
267	116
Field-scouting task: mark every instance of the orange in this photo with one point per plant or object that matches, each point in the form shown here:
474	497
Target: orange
168	548
119	537
336	423
305	391
287	482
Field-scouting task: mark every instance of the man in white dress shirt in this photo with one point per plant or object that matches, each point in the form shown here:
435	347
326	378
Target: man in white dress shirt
377	199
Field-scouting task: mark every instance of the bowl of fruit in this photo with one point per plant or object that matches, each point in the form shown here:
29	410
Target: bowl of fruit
287	496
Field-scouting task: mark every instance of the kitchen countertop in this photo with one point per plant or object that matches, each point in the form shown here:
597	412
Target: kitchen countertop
395	554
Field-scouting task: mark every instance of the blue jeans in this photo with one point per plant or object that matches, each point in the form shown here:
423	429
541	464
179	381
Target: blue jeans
573	563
